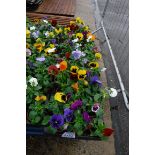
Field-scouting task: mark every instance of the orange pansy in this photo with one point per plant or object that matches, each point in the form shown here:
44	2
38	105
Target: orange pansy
63	65
75	86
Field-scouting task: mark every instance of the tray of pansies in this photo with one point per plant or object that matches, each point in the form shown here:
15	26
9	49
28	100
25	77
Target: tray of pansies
64	94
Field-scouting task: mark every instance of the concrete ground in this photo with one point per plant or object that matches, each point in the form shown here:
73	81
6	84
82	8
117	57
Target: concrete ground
57	146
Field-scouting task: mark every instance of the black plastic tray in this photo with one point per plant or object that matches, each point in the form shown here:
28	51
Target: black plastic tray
32	130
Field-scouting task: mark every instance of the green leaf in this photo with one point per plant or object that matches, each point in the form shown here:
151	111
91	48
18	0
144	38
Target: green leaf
96	97
79	132
45	120
52	130
32	114
37	119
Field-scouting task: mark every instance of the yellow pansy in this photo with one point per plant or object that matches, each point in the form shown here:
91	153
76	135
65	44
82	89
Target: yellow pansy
58	31
72	22
28	33
74	69
37	98
67	29
61	97
27	45
49	51
98	55
82	74
52	45
86	28
79	36
51	34
36	21
79	20
93	64
43	98
39	46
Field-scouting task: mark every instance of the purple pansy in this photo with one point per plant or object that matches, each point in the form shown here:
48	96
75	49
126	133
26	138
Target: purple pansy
35	34
30	64
56	121
77	54
76	105
95	79
68	115
95	107
69	95
86	117
53	41
41	59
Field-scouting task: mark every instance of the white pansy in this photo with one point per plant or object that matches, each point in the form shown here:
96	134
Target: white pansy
51	50
45	21
78	45
32	28
103	69
33	81
85	60
89	38
83	54
28	52
46	33
57	65
113	92
75	40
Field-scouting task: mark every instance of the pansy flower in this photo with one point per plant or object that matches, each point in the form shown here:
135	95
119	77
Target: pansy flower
56	121
41	98
50	50
40	59
63	65
33	81
95	107
93	64
28	33
74	69
54	22
95	79
61	97
28	52
35	34
86	117
77	54
68	115
58	30
79	21
98	55
27	45
39	46
67	55
107	132
76	104
75	86
82	74
90	37
79	36
72	22
53	70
